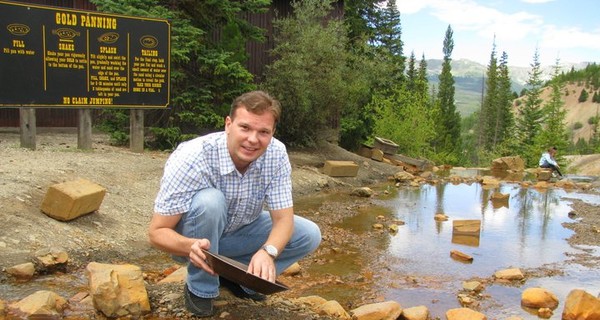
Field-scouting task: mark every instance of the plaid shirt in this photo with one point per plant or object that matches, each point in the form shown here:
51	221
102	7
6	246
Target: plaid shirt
205	162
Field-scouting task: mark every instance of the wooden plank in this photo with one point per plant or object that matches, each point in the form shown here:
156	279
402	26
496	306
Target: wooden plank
28	128
136	130
84	129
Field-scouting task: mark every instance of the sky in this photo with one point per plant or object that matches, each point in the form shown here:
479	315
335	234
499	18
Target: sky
568	30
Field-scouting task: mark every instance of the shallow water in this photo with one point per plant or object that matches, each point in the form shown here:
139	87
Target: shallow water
525	232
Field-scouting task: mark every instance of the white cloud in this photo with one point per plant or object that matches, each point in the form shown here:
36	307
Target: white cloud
570	38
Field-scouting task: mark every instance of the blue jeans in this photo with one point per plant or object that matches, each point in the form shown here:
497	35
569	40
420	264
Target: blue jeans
207	218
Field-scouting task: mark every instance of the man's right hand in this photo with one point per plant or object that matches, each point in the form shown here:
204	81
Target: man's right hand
198	258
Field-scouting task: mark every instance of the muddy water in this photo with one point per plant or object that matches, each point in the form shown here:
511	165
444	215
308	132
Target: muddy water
524	231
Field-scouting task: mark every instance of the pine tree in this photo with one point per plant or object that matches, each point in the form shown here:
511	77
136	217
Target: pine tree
531	114
389	38
555	132
504	116
489	108
411	72
447	142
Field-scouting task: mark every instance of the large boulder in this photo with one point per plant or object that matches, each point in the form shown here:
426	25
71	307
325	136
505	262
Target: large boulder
514	163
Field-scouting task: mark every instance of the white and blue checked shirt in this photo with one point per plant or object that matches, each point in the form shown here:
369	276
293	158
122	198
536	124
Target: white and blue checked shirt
205	162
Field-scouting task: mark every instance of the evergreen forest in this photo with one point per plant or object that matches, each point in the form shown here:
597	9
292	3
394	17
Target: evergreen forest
351	76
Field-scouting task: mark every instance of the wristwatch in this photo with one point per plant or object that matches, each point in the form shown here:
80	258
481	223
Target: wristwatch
271	250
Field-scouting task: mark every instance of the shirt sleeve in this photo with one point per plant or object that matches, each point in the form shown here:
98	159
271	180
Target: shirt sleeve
279	193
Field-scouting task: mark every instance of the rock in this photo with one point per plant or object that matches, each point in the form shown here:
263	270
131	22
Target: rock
23	271
334	309
415	313
440	217
312	301
178	276
466	227
118	290
545	313
364	192
340	168
581	305
475	286
69	200
490	181
393	228
401	176
538	298
514	163
292	270
464	314
509	274
377	155
41	304
389	310
52	260
460	255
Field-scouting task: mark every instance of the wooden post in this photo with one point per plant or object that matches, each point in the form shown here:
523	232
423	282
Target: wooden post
27	127
84	129
136	130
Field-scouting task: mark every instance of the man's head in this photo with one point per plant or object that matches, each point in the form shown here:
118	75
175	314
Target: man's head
552	150
257	102
250	127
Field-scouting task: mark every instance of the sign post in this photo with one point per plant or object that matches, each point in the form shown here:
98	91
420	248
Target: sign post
66	58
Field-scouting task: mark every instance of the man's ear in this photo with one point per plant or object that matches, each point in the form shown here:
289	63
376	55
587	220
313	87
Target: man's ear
228	122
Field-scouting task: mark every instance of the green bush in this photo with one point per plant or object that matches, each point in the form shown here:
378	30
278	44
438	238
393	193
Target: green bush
577	125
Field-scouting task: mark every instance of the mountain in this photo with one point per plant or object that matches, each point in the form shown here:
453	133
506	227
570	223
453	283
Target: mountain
469	80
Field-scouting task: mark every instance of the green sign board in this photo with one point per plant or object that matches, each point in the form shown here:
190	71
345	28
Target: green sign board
58	57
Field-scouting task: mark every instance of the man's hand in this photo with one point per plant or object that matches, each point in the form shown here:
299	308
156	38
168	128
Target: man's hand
263	266
198	258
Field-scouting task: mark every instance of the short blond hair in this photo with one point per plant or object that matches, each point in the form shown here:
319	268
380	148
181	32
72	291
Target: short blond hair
257	102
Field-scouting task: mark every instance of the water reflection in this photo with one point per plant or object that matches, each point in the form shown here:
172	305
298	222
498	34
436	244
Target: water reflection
524	231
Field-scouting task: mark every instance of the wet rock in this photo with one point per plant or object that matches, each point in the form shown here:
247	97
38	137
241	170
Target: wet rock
292	270
538	298
463	314
460	255
514	163
334	309
415	313
312	301
544	313
440	217
393	228
23	271
378	226
466	227
474	286
118	290
389	310
581	305
52	260
509	274
401	176
490	181
364	192
178	276
41	304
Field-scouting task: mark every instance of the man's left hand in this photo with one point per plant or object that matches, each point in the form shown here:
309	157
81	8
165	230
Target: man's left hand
262	265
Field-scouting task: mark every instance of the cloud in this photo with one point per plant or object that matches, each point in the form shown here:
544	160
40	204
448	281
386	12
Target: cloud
468	15
572	37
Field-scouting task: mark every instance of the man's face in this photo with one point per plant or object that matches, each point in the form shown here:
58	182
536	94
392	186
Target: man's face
248	136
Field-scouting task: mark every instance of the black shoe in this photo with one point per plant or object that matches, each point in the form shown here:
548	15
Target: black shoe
237	290
200	307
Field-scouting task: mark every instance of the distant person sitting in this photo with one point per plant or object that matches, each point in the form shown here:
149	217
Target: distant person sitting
547	161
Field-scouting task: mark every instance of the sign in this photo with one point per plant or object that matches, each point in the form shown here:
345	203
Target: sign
59	57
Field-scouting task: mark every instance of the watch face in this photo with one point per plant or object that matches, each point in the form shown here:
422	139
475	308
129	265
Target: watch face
271	250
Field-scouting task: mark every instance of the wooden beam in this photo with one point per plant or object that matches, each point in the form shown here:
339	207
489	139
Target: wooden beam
27	128
84	129
136	130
